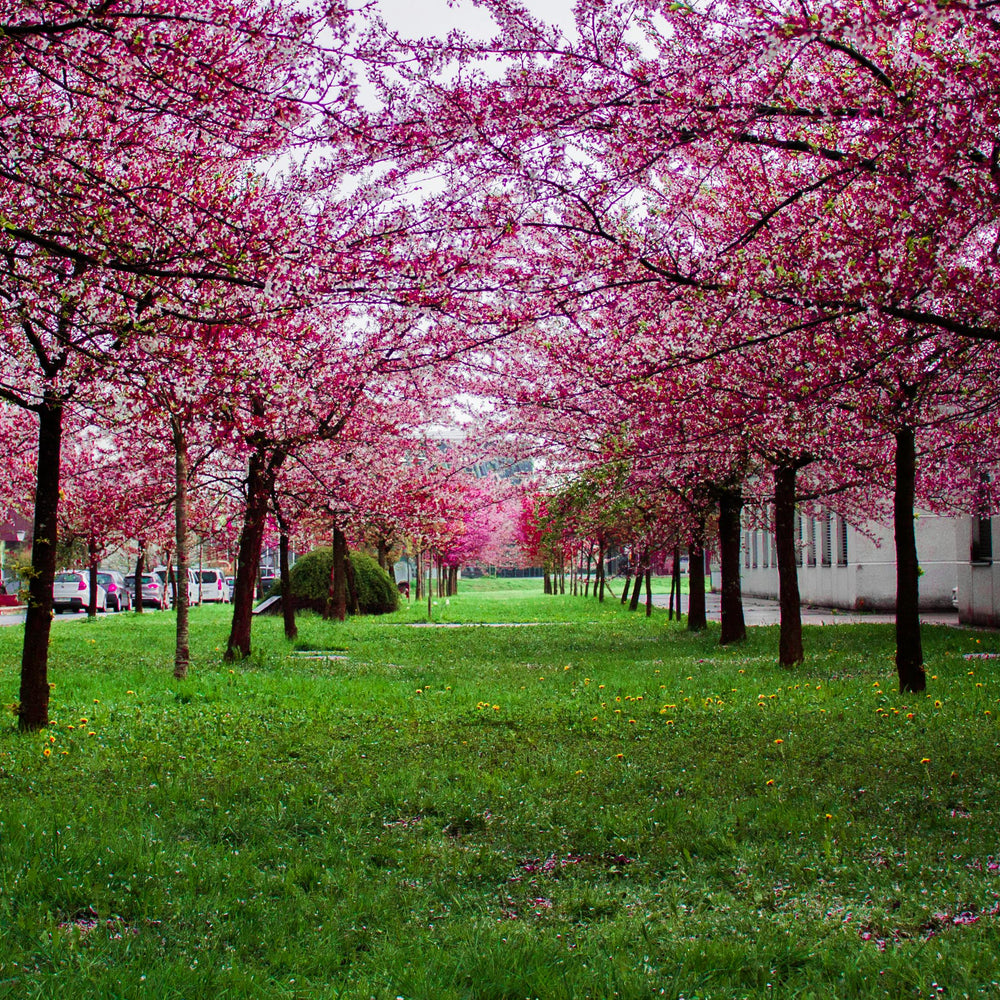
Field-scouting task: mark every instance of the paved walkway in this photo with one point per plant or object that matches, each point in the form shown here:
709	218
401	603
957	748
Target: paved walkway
759	611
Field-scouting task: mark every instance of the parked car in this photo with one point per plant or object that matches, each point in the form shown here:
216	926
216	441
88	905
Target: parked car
192	584
213	586
71	592
230	584
118	597
152	590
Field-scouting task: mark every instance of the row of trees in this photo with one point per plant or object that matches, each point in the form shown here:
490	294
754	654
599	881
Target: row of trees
731	251
755	251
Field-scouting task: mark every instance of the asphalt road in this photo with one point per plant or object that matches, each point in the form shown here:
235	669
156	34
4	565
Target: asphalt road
17	617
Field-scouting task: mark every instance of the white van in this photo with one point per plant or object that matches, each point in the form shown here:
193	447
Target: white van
214	588
161	573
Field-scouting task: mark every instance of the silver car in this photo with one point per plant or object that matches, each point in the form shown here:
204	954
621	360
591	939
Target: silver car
119	598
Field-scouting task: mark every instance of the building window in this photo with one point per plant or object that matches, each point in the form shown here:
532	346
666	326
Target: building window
982	539
774	551
811	547
746	549
763	548
841	542
753	550
826	539
798	539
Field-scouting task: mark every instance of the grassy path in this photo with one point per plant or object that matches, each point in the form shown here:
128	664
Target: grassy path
604	807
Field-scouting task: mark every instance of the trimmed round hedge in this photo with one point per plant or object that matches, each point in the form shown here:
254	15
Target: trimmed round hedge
310	579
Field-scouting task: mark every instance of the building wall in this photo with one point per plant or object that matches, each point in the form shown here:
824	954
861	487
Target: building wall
864	576
978	583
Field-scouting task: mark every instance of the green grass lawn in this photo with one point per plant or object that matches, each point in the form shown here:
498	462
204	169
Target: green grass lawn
594	804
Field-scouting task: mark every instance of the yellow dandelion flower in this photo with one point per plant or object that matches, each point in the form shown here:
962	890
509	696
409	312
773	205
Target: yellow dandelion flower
770	781
925	760
779	741
46	752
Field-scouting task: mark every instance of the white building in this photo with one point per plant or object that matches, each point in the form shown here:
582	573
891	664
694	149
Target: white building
839	567
979	572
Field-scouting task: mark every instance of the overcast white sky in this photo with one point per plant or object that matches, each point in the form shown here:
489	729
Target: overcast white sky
417	18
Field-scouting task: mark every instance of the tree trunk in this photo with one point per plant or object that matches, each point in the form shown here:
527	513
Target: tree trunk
351	582
637	584
33	711
140	565
418	588
599	582
547	580
260	479
676	580
182	656
287	597
673	588
92	563
625	587
562	572
730	507
338	577
909	650
383	554
790	651
590	556
697	617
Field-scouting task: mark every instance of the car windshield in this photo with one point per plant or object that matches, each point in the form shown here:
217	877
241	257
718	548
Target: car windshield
103	578
68	577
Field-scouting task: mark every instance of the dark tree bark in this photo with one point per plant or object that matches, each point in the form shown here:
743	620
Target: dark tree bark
260	481
599	582
92	563
418	589
626	586
338	577
546	579
383	548
676	580
33	710
909	649
697	617
649	590
637	583
790	650
730	507
140	566
287	597
182	655
590	556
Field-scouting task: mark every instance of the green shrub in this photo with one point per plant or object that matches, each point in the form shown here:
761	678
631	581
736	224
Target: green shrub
310	578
